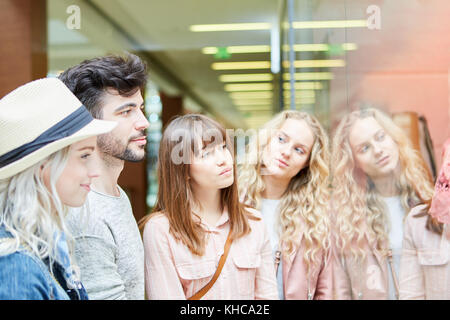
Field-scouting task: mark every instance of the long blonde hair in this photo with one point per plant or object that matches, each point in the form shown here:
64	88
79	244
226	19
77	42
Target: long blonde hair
304	204
356	203
33	214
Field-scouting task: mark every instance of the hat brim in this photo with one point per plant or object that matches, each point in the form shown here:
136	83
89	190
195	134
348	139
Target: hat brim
93	128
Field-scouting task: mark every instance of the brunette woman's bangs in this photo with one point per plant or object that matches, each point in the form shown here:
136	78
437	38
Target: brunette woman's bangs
206	133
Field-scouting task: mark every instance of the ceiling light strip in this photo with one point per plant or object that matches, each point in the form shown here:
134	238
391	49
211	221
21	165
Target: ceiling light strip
245	77
325	24
301	94
301	101
252	95
304	86
266	64
248	87
316	63
230	27
241	65
298	48
309	76
252	102
329	24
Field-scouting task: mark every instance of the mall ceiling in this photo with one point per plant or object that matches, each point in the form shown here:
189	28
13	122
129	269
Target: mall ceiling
160	31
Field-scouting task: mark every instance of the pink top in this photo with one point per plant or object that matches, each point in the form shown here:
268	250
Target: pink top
173	272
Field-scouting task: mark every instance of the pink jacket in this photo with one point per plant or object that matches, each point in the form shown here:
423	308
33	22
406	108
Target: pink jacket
425	265
173	272
356	280
295	280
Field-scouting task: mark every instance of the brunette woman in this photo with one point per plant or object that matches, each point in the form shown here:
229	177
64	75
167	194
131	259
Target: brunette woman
197	213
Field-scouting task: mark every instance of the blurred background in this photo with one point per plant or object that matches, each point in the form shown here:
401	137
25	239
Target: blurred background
240	62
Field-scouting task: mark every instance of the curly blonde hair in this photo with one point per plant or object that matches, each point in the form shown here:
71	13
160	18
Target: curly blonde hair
355	200
304	204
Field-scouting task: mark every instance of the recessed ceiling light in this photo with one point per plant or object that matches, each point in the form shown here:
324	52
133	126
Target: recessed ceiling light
309	76
301	94
238	49
328	24
258	118
241	65
287	102
316	63
252	102
350	46
245	77
297	47
304	86
255	108
251	95
230	27
266	64
248	87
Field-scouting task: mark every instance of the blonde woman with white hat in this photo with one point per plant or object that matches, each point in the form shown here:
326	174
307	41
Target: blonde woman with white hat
46	163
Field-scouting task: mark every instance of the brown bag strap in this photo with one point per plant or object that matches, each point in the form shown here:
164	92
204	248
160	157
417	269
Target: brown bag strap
223	258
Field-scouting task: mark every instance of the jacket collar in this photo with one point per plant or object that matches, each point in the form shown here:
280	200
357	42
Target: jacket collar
223	219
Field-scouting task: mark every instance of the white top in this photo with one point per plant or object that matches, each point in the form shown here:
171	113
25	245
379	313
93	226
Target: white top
269	211
395	214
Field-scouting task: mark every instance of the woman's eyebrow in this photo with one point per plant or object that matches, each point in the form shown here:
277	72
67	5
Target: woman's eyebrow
211	145
84	148
359	145
300	144
283	133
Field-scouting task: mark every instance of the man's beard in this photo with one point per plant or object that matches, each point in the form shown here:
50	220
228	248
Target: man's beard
110	145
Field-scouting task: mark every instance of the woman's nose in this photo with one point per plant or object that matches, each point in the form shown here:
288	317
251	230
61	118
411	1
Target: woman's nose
377	149
93	168
221	158
286	151
93	174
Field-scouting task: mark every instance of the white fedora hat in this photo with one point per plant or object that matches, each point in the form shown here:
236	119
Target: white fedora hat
40	118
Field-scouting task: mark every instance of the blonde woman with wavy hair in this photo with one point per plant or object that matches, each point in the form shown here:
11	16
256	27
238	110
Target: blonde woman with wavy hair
285	175
46	165
377	178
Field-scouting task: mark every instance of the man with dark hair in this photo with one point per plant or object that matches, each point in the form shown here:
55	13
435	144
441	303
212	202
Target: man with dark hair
108	245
